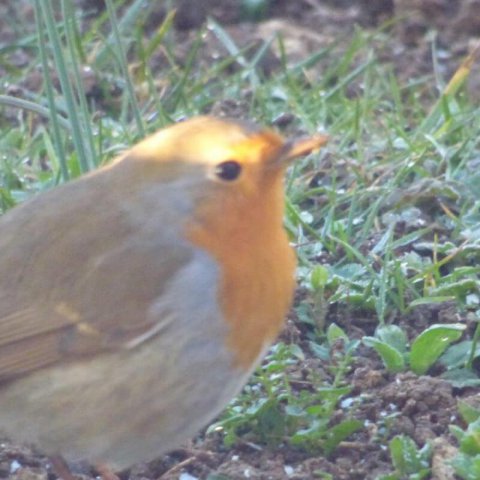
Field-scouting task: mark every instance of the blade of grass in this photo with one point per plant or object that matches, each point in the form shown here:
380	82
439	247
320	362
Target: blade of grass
47	113
50	113
74	52
177	93
236	52
72	107
122	59
433	120
156	40
129	17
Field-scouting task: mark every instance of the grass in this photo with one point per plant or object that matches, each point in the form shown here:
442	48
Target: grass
386	219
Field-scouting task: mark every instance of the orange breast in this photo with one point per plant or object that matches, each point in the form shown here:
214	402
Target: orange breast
257	264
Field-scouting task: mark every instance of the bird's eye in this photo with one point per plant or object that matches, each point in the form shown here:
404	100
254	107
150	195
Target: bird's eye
228	171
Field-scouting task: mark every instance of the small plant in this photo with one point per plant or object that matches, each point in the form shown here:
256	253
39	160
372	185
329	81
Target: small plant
390	342
467	461
270	410
410	462
458	361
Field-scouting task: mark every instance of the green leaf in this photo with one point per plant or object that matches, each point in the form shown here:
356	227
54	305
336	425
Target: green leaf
468	413
457	432
431	343
393	336
349	272
461	378
431	300
320	351
470	443
339	433
271	422
319	277
333	394
458	289
457	355
334	332
466	467
393	360
407	458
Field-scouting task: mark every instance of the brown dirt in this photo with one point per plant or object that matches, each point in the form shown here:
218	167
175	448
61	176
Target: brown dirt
420	407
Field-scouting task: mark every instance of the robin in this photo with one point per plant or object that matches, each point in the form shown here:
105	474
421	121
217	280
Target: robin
136	301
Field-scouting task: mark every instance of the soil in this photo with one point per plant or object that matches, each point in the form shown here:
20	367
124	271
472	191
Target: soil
421	407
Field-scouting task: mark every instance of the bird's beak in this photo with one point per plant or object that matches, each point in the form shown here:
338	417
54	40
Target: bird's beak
303	146
278	152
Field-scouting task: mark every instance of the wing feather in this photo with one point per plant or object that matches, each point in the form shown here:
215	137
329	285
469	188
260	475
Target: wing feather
80	272
28	354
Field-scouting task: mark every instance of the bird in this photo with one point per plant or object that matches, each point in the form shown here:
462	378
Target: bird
136	300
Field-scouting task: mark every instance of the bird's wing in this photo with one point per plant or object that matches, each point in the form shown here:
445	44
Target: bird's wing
78	284
26	343
107	308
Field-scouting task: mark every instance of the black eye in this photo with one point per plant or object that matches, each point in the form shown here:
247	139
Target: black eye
229	170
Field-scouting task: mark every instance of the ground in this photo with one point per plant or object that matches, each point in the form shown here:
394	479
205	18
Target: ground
421	407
